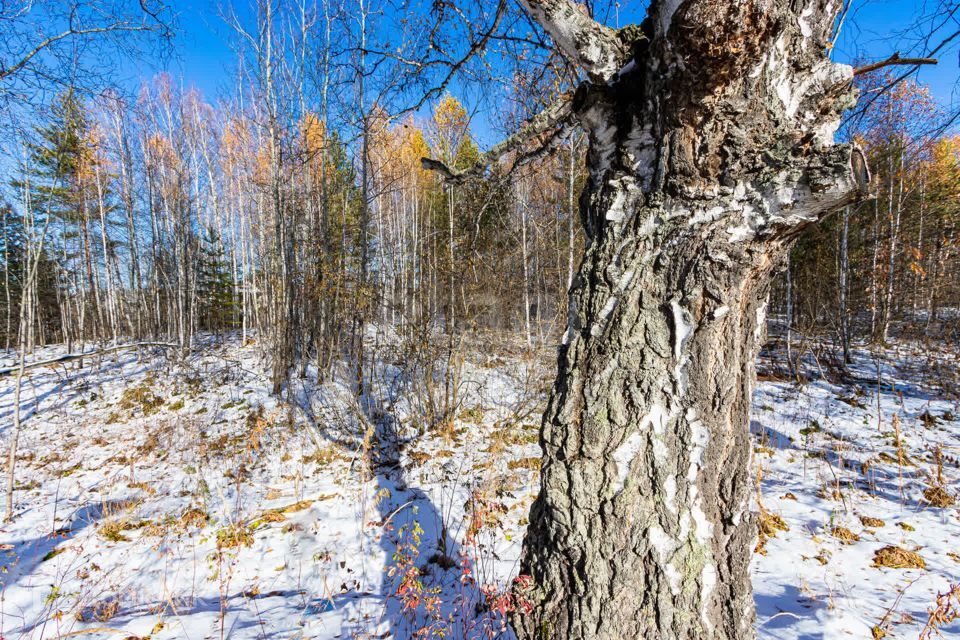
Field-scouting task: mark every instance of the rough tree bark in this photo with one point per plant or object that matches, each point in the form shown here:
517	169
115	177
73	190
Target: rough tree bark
711	147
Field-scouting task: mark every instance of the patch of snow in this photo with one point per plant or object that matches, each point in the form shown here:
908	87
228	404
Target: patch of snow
323	571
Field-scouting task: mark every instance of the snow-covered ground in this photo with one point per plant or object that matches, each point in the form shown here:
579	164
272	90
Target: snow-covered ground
183	501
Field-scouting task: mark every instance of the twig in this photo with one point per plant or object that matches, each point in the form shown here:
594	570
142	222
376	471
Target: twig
895	59
84	632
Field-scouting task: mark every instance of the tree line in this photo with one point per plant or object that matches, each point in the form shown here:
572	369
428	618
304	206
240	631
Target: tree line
887	266
168	216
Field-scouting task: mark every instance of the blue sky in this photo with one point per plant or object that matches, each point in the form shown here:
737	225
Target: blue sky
878	28
204	59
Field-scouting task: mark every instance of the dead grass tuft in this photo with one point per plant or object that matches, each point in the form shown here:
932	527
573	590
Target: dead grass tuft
845	535
192	518
419	457
894	557
901	459
937	496
234	535
113	530
269	516
101	611
142	486
141	397
532	464
876	523
768	524
324	456
296	506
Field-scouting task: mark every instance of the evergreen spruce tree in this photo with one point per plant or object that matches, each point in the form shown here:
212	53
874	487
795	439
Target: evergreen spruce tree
215	294
54	173
53	186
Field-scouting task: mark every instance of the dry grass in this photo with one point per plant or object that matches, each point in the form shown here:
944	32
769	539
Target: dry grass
141	397
901	459
277	515
937	496
324	456
419	457
876	523
768	524
192	518
270	516
474	415
830	492
894	557
233	536
532	464
296	506
113	530
101	611
508	435
142	486
845	535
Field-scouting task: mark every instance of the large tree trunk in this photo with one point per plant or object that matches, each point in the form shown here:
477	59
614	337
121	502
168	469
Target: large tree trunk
711	148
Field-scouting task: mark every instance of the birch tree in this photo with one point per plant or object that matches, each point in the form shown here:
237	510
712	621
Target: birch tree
711	131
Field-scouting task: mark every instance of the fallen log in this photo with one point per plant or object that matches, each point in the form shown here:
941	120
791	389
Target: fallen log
67	357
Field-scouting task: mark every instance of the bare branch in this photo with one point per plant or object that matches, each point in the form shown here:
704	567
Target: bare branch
454	67
49	42
555	117
144	19
895	59
86	354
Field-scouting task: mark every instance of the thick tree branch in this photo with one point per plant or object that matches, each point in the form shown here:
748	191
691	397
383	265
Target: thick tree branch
589	44
553	118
